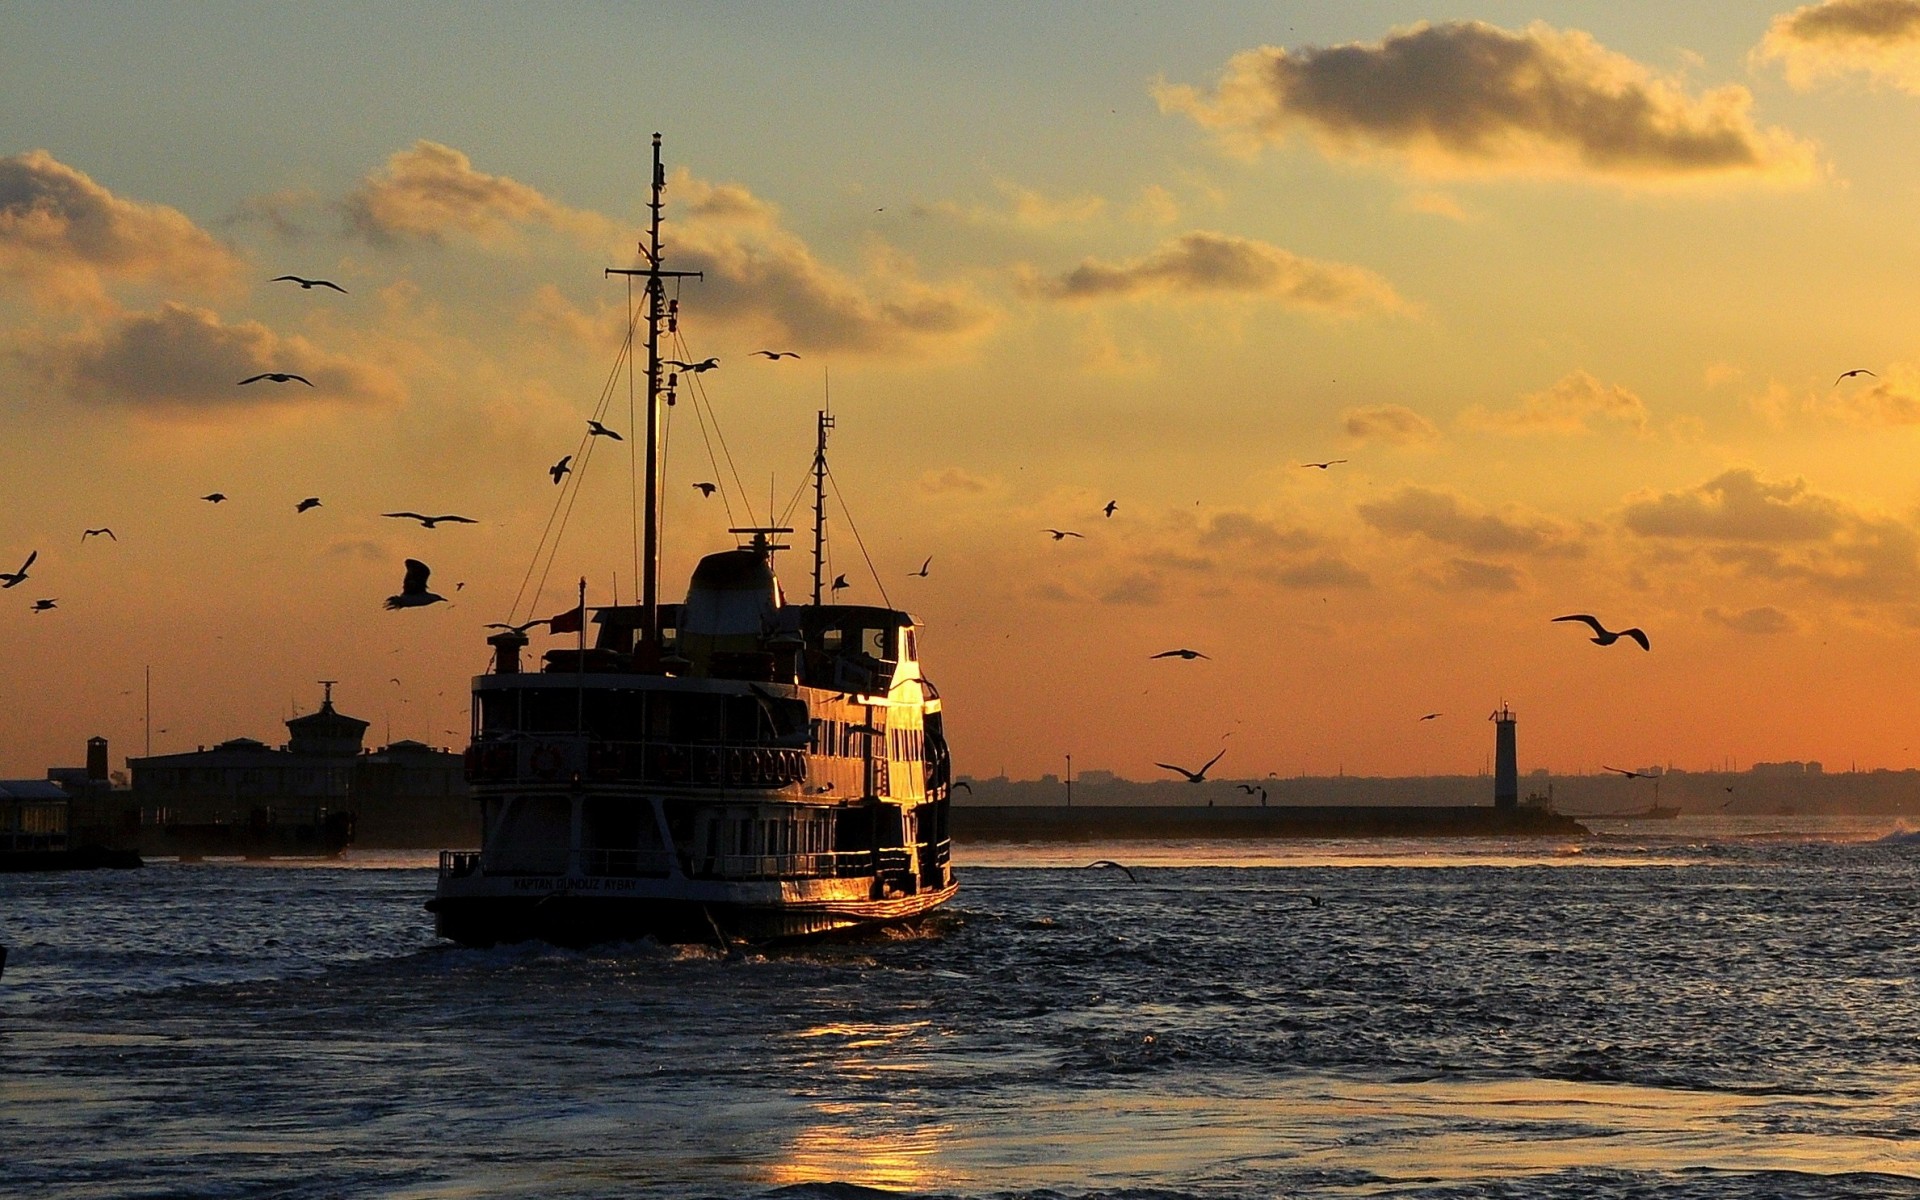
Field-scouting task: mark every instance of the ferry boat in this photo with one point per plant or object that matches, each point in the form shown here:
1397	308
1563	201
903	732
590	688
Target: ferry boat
730	768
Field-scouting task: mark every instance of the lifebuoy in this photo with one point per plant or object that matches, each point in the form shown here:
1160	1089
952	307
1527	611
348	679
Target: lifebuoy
736	766
546	761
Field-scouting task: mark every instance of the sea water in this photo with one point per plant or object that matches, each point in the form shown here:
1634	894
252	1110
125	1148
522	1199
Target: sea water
1675	1009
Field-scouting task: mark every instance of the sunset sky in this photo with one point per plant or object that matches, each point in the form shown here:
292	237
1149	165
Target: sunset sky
1569	286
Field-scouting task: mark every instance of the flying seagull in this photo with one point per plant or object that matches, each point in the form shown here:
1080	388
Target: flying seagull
961	783
839	581
1627	773
413	590
560	468
522	628
96	533
1248	788
1199	776
1850	374
1110	506
309	502
705	364
707	489
1059	534
1183	652
1430	716
20	576
922	572
430	522
307	284
775	355
214	497
42	605
596	429
277	377
1602	636
1332	462
1107	862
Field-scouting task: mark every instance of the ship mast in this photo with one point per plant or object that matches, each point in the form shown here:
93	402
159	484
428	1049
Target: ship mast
820	502
657	311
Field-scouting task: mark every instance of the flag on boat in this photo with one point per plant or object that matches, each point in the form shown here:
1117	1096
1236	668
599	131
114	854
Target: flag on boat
572	621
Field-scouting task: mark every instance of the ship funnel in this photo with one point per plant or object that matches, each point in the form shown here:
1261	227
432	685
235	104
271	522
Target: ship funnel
733	594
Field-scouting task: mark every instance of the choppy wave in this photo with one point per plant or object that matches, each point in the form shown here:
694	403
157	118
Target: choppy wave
1725	1017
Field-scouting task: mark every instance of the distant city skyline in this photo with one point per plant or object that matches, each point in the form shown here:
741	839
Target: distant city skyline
1391	332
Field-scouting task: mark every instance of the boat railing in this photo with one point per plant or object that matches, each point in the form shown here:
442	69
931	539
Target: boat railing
826	864
458	864
568	757
627	864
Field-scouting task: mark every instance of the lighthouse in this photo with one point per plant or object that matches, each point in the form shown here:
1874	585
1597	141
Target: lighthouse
1506	760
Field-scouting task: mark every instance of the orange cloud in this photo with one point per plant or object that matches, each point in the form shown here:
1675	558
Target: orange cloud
1464	98
1393	424
1203	264
429	190
1876	38
1785	532
761	276
66	236
184	359
1565	408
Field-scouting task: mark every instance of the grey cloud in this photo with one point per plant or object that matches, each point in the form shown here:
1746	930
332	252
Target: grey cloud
1201	263
1466	97
1450	520
1738	505
181	357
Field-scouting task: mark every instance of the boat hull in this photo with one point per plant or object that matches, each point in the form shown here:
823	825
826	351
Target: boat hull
566	918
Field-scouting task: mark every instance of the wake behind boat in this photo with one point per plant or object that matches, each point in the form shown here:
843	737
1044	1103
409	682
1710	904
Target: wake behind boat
731	767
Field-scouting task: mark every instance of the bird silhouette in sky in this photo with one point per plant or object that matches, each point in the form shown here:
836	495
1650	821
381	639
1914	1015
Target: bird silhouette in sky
560	468
961	783
309	502
596	429
839	581
1332	462
922	572
1248	788
1602	636
704	365
20	576
1430	717
521	628
1062	534
1625	772
214	497
413	589
773	355
277	377
1852	373
706	489
44	605
1107	862
1110	506
96	533
430	522
1199	776
1183	652
308	284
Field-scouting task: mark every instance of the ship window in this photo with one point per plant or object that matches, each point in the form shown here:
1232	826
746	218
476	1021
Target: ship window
874	642
913	645
830	640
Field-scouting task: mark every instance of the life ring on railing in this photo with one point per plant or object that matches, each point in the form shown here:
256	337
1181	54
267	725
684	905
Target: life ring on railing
546	761
736	766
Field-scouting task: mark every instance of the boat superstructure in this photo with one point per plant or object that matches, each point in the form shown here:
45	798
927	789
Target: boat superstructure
733	766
